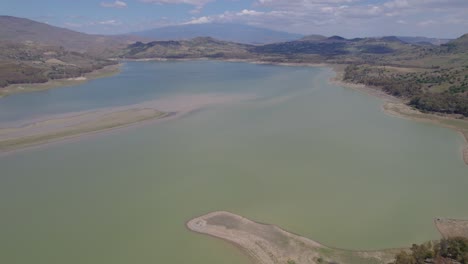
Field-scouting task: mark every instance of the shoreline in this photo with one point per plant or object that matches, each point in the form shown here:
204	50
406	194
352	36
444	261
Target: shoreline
391	105
270	244
400	108
106	71
397	107
25	134
449	227
251	61
404	111
73	126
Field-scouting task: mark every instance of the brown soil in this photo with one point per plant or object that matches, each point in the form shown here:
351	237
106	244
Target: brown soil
452	227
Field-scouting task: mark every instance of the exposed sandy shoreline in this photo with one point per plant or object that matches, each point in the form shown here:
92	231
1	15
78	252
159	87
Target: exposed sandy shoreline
404	111
33	87
252	61
72	125
397	107
452	227
269	244
392	105
52	128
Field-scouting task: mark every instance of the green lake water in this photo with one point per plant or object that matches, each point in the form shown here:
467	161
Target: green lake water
314	158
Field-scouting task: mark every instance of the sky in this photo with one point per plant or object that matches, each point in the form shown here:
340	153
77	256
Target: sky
348	18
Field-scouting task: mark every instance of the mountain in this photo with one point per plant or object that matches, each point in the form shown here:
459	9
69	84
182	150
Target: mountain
423	40
34	63
460	44
22	30
200	47
313	38
222	31
336	46
34	52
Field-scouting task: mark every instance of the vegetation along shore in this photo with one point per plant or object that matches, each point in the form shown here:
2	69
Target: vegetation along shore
421	82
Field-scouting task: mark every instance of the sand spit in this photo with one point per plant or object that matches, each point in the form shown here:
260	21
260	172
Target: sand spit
52	128
72	125
452	227
269	244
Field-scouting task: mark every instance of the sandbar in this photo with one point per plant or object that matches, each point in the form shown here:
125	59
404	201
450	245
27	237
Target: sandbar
51	128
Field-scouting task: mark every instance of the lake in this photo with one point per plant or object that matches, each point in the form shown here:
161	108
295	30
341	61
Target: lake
315	158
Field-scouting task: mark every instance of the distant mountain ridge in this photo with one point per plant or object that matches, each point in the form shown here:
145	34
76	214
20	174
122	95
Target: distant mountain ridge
199	47
423	40
314	37
23	30
34	52
431	77
223	31
459	44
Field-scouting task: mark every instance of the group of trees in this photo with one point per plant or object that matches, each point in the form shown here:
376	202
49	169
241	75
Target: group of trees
446	251
443	102
416	87
399	87
35	63
14	73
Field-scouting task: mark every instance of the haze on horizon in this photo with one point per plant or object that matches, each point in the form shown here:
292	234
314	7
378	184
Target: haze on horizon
348	18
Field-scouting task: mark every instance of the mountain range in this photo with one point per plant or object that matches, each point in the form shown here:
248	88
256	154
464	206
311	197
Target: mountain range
24	30
222	31
430	77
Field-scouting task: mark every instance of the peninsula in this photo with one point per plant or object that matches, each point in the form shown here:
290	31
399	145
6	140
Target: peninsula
269	244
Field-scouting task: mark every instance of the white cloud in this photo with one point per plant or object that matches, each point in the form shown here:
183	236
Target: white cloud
200	20
397	4
111	22
116	4
426	23
196	3
349	18
73	25
247	12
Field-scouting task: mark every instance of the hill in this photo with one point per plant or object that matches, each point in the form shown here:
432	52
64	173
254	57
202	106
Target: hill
423	40
201	47
430	78
458	45
33	63
313	38
222	31
23	30
34	52
336	47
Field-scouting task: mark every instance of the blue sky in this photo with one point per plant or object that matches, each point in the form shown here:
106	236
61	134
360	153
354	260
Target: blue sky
348	18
